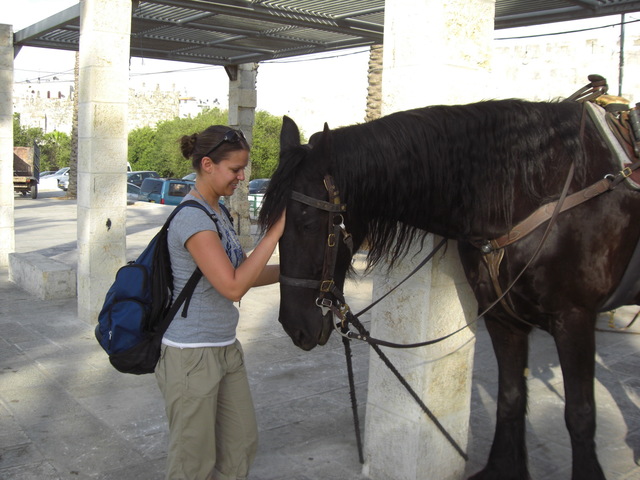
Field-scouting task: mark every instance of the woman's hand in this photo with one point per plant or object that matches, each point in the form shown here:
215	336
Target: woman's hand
278	227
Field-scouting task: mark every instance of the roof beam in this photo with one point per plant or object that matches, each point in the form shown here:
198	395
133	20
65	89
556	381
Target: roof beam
285	17
60	19
577	12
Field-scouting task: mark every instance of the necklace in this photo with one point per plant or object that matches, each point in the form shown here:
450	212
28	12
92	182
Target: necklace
202	198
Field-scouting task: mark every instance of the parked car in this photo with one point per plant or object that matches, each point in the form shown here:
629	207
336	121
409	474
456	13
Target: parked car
46	173
257	188
59	174
167	191
133	192
138	177
191	176
258	185
255	204
62	171
63	182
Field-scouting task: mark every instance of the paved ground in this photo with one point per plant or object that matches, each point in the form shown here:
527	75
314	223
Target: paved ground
66	414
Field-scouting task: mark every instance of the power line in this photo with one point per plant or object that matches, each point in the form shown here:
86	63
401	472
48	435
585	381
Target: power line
177	70
48	77
318	58
567	31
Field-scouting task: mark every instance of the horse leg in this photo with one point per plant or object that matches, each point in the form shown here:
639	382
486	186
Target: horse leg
575	341
508	457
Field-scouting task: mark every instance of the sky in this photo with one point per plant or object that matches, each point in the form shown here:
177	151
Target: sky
312	90
331	87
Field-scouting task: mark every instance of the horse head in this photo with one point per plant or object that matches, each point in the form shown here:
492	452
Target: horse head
313	257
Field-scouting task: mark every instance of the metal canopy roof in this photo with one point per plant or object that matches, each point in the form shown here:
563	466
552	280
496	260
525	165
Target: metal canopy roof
230	32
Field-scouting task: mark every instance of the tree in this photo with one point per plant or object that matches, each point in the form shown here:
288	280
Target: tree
25	136
54	146
374	90
265	150
55	150
141	143
159	148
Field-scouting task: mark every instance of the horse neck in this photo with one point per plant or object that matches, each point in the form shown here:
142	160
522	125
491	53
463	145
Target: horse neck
409	197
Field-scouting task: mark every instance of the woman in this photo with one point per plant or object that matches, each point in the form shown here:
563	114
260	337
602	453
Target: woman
212	425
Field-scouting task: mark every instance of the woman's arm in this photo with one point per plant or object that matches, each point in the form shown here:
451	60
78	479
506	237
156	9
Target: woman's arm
207	251
270	274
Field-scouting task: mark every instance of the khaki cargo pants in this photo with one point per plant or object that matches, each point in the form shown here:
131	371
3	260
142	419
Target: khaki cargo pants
212	425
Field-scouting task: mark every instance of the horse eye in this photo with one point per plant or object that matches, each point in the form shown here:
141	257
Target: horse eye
308	226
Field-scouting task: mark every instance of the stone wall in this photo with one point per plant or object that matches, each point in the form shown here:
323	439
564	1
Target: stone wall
548	67
50	106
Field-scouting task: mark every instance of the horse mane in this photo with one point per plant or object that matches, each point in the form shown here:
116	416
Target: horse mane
281	185
405	172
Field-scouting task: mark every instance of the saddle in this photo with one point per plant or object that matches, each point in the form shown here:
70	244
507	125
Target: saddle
619	126
616	121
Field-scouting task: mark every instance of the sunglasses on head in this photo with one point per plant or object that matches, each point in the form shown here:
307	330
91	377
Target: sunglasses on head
232	136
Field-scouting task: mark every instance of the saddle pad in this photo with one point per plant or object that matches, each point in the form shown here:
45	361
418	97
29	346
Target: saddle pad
597	114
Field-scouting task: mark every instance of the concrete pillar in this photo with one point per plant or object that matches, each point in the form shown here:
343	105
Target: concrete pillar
434	53
7	239
105	29
242	113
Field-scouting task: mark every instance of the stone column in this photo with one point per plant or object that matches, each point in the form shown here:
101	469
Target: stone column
7	238
242	113
105	29
434	53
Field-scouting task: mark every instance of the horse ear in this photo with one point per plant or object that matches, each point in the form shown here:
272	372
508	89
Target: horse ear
323	143
289	134
318	137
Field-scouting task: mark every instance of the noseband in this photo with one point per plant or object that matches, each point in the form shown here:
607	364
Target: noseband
336	229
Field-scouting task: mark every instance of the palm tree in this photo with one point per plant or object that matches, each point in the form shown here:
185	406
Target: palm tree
374	90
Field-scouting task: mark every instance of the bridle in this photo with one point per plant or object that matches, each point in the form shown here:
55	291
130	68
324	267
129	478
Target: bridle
340	308
336	231
326	284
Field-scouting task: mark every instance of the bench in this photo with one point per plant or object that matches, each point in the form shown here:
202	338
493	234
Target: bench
42	276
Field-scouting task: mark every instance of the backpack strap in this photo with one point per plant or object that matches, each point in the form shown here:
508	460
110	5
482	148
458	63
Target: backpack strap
185	295
193	203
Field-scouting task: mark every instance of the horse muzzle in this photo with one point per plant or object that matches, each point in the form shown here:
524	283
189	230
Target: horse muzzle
306	333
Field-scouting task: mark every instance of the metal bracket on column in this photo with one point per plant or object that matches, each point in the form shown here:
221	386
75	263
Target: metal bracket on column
232	72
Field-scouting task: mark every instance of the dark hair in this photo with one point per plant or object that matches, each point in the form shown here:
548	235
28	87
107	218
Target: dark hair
199	145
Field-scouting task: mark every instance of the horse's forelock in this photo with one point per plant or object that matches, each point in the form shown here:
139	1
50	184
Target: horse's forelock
281	185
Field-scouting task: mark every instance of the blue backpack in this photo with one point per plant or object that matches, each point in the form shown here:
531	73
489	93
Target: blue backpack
137	309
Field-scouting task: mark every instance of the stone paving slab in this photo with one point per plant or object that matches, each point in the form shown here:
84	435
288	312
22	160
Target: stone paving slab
65	413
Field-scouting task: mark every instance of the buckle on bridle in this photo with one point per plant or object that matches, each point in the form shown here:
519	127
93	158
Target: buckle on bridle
331	240
325	304
326	286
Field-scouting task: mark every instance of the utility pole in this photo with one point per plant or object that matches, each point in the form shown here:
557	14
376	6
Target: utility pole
621	62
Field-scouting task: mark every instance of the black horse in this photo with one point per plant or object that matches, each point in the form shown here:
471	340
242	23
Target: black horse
468	173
